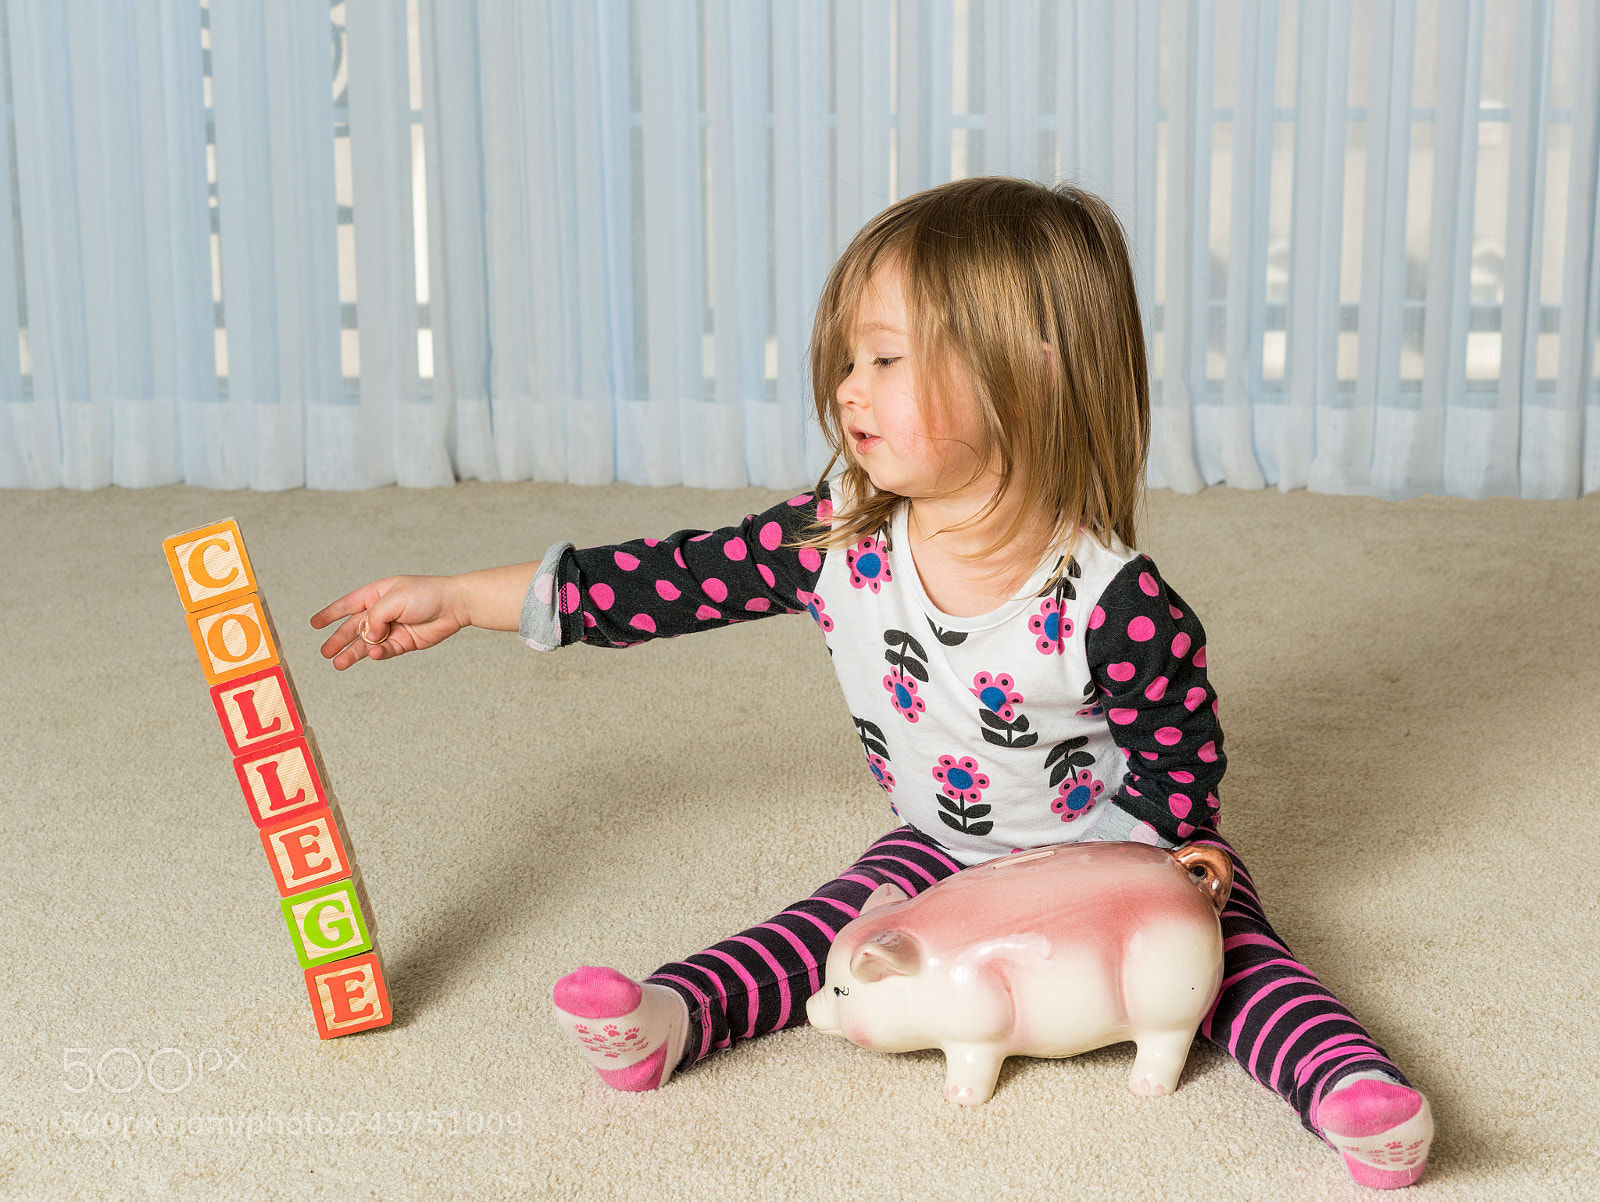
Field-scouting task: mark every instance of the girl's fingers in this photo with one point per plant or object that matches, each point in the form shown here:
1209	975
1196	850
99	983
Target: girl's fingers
352	604
345	646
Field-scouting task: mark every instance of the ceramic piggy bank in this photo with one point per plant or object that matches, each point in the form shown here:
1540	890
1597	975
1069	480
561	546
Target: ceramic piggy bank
1051	952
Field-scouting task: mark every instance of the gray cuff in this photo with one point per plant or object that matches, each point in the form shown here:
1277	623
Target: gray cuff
1116	825
541	621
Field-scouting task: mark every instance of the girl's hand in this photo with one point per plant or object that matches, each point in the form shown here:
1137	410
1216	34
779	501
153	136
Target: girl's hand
392	616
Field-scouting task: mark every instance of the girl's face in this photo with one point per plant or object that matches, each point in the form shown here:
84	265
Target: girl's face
887	435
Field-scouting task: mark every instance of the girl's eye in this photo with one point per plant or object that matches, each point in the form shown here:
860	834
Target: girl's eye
881	361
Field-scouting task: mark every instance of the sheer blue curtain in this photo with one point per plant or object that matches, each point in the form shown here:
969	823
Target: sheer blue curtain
272	243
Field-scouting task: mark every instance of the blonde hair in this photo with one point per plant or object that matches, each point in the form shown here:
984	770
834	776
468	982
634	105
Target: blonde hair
991	267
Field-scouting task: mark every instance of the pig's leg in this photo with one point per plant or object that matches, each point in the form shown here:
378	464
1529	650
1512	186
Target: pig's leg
1158	1062
970	1071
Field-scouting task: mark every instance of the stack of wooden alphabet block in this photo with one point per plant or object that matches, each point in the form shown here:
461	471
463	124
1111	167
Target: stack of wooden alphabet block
285	783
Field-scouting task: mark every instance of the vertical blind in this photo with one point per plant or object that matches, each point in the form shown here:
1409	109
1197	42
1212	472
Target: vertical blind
272	243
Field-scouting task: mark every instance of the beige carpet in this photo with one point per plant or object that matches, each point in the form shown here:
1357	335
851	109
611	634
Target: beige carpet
1413	723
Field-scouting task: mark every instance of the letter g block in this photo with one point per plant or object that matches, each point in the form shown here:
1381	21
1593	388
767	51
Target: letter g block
326	924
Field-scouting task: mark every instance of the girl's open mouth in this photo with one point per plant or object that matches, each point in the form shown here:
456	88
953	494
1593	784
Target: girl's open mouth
865	442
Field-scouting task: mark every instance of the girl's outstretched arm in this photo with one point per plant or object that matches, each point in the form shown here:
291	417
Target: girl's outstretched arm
397	614
693	580
1147	655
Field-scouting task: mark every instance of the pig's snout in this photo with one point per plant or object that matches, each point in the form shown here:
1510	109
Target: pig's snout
822	1012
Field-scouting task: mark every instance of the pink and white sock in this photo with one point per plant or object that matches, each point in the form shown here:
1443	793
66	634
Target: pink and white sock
632	1033
1382	1129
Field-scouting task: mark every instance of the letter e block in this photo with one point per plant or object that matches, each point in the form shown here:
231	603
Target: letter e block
326	924
349	995
233	639
209	565
279	780
305	852
257	709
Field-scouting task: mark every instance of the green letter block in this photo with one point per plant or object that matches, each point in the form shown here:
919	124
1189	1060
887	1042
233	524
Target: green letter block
326	924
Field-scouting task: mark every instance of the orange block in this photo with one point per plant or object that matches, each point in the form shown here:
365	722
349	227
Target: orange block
209	565
306	851
349	995
234	639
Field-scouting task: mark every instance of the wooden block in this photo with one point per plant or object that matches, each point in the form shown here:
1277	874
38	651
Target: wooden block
306	851
209	565
326	924
234	639
280	779
349	995
257	709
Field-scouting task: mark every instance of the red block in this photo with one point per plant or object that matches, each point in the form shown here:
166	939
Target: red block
257	709
305	851
281	779
349	995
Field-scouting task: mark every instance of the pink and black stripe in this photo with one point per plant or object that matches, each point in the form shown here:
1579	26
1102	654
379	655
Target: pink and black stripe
758	981
1273	1016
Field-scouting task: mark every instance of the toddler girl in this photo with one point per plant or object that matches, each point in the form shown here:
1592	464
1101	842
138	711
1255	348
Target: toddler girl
978	365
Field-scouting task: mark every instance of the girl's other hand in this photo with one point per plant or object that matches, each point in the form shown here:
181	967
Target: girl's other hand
400	613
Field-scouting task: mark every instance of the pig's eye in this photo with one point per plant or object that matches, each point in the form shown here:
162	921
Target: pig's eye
838	992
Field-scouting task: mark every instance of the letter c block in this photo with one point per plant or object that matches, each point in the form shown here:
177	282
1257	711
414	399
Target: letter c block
279	780
305	852
326	924
209	565
234	639
349	995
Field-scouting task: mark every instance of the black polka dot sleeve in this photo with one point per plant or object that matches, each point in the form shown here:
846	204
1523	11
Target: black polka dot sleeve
693	580
1147	655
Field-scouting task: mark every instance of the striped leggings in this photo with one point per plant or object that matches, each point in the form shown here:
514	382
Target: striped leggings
1273	1016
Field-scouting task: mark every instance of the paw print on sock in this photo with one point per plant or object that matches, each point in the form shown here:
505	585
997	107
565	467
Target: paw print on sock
610	1040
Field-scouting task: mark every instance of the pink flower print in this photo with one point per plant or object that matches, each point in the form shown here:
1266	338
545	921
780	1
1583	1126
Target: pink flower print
995	692
961	779
869	564
1052	626
880	770
903	695
814	606
1077	795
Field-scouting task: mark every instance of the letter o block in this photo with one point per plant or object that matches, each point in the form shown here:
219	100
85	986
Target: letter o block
233	639
326	924
209	565
349	996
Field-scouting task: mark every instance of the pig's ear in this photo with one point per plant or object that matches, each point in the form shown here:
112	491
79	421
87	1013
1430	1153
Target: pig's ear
883	895
886	954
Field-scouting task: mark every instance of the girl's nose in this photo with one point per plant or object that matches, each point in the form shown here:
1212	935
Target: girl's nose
852	390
